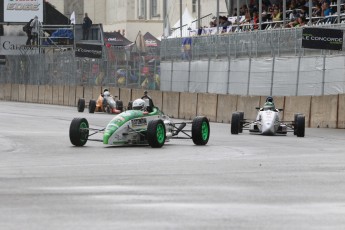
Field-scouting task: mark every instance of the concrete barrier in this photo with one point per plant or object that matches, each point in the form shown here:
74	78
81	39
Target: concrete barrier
71	95
14	92
247	104
28	93
2	86
125	96
170	104
58	94
324	111
207	106
79	93
341	112
115	91
320	111
188	105
48	94
297	104
34	93
96	91
225	107
88	95
137	93
7	92
41	93
66	95
22	93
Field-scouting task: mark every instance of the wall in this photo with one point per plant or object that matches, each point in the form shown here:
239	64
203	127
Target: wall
320	111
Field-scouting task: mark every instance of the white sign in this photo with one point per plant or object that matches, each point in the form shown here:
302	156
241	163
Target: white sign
15	45
22	10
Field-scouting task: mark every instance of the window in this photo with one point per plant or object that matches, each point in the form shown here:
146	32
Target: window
154	8
194	6
141	9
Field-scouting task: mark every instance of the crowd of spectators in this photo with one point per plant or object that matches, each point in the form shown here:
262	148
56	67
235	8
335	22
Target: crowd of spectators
297	14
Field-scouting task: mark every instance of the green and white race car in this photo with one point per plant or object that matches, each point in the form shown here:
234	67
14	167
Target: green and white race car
141	127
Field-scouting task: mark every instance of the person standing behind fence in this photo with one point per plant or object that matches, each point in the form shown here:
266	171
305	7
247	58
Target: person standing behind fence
35	28
87	22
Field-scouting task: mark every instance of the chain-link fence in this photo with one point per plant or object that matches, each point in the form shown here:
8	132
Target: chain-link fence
121	67
273	42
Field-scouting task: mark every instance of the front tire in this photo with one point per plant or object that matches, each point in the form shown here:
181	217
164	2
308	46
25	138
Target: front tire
300	125
79	131
156	133
200	130
235	123
81	104
92	106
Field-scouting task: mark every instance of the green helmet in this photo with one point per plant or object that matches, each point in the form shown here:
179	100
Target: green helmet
269	106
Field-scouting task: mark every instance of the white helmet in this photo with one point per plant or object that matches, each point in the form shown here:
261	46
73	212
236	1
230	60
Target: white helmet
106	94
138	104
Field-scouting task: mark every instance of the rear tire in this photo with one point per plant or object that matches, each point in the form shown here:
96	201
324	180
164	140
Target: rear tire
79	131
92	106
81	104
156	133
235	123
300	125
241	122
119	105
200	130
295	123
130	105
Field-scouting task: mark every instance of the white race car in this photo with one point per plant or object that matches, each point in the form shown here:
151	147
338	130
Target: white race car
268	122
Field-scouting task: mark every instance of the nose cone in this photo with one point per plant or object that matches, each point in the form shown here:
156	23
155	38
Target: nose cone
267	128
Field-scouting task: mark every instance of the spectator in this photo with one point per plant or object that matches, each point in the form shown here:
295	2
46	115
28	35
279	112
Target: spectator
300	22
27	29
326	10
35	28
87	23
317	11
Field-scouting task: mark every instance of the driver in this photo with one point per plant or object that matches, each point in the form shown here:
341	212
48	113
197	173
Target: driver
139	104
269	104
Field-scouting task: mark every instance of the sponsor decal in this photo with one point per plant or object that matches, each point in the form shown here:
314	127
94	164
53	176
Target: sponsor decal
88	50
321	38
15	45
22	10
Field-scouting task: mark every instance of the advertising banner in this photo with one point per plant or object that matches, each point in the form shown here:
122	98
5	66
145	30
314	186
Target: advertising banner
88	50
22	11
15	45
322	38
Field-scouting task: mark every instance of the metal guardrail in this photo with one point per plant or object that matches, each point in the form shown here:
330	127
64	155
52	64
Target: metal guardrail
275	42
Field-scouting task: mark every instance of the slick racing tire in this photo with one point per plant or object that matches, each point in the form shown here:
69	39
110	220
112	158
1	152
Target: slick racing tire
81	104
235	123
200	130
295	123
119	105
241	122
300	125
156	133
92	106
79	131
130	105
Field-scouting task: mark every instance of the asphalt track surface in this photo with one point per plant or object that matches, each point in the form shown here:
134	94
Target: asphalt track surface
240	181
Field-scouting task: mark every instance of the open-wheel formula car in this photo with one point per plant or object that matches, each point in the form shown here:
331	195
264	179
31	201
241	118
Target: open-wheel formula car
268	123
137	127
105	103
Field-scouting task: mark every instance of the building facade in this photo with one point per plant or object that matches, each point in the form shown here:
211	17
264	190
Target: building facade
132	16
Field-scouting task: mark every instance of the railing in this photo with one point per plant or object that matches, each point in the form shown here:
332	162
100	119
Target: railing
275	42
